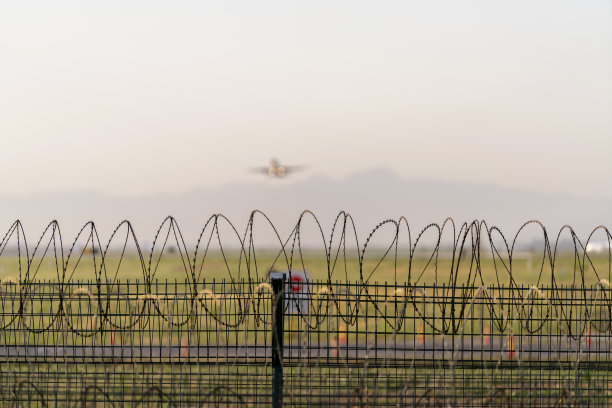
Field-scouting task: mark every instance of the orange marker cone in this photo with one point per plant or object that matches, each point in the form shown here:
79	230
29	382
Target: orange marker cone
420	335
338	340
588	336
510	346
113	340
334	346
342	335
486	338
184	347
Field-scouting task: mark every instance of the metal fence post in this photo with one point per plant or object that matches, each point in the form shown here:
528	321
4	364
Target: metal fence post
278	308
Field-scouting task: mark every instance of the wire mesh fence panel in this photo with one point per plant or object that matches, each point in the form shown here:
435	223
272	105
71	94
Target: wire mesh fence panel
252	343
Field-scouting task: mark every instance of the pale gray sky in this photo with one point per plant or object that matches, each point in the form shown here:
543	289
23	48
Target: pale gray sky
160	96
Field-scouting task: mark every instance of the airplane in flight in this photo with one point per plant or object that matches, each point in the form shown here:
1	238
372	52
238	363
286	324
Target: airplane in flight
275	169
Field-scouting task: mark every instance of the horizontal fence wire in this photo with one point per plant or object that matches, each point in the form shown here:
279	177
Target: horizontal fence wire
110	326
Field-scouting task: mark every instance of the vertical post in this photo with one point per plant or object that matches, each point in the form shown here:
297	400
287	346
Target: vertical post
278	308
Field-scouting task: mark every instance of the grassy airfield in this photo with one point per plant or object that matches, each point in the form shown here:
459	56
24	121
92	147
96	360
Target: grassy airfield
529	269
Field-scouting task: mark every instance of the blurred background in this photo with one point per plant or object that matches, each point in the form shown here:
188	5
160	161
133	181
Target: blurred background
497	111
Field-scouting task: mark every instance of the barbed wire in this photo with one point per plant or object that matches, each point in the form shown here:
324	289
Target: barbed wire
476	239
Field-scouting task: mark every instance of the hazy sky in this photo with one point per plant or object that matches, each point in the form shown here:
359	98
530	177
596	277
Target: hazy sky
164	96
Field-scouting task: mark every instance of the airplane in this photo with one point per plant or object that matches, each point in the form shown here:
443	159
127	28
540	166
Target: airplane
275	169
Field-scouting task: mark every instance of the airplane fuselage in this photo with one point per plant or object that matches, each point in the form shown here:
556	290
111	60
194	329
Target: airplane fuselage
275	169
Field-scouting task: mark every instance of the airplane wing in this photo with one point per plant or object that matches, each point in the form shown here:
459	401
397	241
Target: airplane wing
260	170
294	169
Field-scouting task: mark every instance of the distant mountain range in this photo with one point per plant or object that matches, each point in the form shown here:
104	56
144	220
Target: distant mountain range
370	197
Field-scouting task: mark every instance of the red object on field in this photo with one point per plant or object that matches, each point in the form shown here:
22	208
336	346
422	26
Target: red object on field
297	284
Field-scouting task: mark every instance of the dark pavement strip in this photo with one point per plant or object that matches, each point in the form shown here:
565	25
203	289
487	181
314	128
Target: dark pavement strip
526	348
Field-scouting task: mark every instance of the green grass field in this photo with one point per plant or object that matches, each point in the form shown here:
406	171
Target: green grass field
528	270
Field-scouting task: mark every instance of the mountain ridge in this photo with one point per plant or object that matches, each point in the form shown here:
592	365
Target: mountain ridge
369	196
